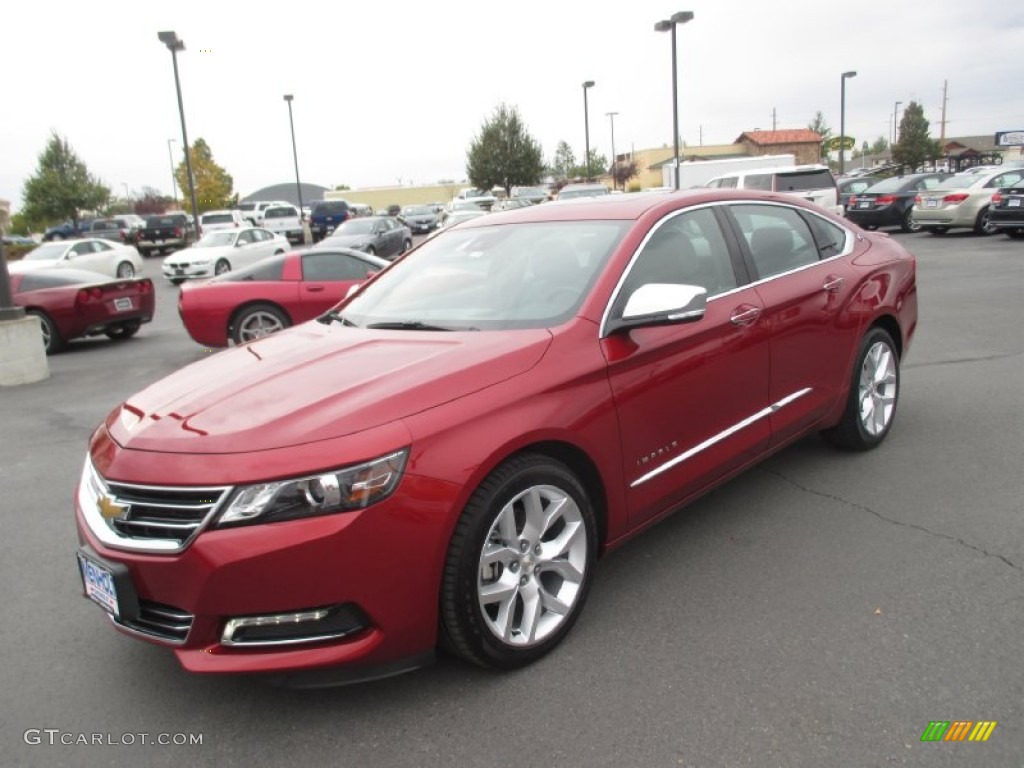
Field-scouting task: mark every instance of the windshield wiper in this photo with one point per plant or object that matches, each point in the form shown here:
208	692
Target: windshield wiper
334	316
411	325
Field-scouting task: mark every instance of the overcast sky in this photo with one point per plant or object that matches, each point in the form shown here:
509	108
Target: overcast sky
396	90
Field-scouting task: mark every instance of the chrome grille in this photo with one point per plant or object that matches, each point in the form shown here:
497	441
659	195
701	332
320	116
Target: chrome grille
164	622
146	518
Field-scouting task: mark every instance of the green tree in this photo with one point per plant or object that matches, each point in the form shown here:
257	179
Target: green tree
598	166
62	186
879	147
915	144
563	162
504	154
819	126
213	183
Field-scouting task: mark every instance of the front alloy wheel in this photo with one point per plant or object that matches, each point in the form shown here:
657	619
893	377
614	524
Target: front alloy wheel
519	564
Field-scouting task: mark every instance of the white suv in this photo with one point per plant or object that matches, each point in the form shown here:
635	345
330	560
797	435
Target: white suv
814	183
284	220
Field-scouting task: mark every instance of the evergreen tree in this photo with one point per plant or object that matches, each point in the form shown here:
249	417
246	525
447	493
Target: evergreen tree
62	185
915	145
504	154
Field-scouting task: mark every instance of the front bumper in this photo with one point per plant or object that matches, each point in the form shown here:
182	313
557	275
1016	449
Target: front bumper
173	243
385	562
191	271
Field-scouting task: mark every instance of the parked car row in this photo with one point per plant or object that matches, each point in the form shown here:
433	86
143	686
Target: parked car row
985	200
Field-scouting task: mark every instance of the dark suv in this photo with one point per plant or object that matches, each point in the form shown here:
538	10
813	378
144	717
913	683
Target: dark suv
326	216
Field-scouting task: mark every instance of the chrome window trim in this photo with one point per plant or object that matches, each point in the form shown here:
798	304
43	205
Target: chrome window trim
847	249
92	484
715	439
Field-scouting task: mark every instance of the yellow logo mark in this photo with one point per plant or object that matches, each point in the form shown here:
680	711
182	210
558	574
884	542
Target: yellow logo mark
109	508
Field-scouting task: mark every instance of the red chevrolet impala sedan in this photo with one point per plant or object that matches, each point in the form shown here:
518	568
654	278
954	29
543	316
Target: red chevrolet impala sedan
274	293
442	457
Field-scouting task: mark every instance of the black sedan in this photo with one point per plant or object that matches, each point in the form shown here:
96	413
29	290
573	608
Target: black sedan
890	202
853	185
1006	212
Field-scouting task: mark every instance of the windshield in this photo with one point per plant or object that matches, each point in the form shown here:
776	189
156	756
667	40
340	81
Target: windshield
417	210
499	277
50	252
356	227
570	192
215	239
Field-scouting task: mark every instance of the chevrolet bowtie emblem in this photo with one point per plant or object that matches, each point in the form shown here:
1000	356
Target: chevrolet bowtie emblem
110	509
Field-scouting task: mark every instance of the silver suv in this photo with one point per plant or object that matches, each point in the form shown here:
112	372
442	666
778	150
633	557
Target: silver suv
814	183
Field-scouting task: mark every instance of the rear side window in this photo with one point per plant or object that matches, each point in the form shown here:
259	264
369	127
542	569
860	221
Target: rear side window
804	180
279	213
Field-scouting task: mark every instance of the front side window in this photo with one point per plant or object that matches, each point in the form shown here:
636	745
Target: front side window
331	266
687	249
777	237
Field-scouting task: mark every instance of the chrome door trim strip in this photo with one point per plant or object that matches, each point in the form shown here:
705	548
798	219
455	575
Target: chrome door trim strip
715	439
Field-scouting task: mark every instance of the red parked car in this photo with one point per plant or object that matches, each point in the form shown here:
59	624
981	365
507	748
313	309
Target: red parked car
72	303
444	456
272	294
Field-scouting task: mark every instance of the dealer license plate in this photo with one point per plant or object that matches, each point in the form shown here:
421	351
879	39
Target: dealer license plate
122	305
931	203
1013	202
99	584
865	204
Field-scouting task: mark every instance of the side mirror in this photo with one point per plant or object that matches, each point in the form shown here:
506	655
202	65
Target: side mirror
662	304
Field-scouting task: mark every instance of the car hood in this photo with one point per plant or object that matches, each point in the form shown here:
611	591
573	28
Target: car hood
190	255
316	382
21	267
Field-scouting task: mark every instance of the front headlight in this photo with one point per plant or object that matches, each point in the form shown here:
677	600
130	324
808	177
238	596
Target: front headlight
341	490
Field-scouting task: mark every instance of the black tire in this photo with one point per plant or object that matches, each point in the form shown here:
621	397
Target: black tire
240	330
851	433
406	245
908	224
467	629
983	224
53	342
125	270
1015	234
125	331
222	267
144	252
371	250
176	280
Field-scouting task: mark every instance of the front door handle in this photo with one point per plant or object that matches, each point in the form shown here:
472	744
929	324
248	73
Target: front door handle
744	315
314	288
833	283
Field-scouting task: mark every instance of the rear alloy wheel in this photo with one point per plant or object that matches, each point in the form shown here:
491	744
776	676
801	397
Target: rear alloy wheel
874	393
909	224
221	267
256	321
983	225
52	340
519	564
125	270
125	331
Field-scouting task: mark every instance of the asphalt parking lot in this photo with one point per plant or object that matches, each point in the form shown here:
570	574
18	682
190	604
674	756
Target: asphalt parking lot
820	610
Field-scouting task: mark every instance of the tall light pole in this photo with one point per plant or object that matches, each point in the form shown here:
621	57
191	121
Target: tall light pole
295	155
586	125
670	25
842	117
611	117
170	39
895	124
170	158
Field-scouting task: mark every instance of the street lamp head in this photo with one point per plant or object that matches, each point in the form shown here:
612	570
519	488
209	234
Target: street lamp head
588	84
682	17
851	73
170	39
288	97
663	26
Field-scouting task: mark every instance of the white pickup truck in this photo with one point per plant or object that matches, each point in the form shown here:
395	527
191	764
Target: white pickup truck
284	219
253	211
478	197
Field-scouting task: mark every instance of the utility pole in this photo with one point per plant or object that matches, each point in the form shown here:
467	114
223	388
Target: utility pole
774	122
942	131
700	135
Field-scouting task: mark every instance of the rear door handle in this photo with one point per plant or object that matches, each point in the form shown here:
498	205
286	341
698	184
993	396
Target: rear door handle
744	315
833	283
